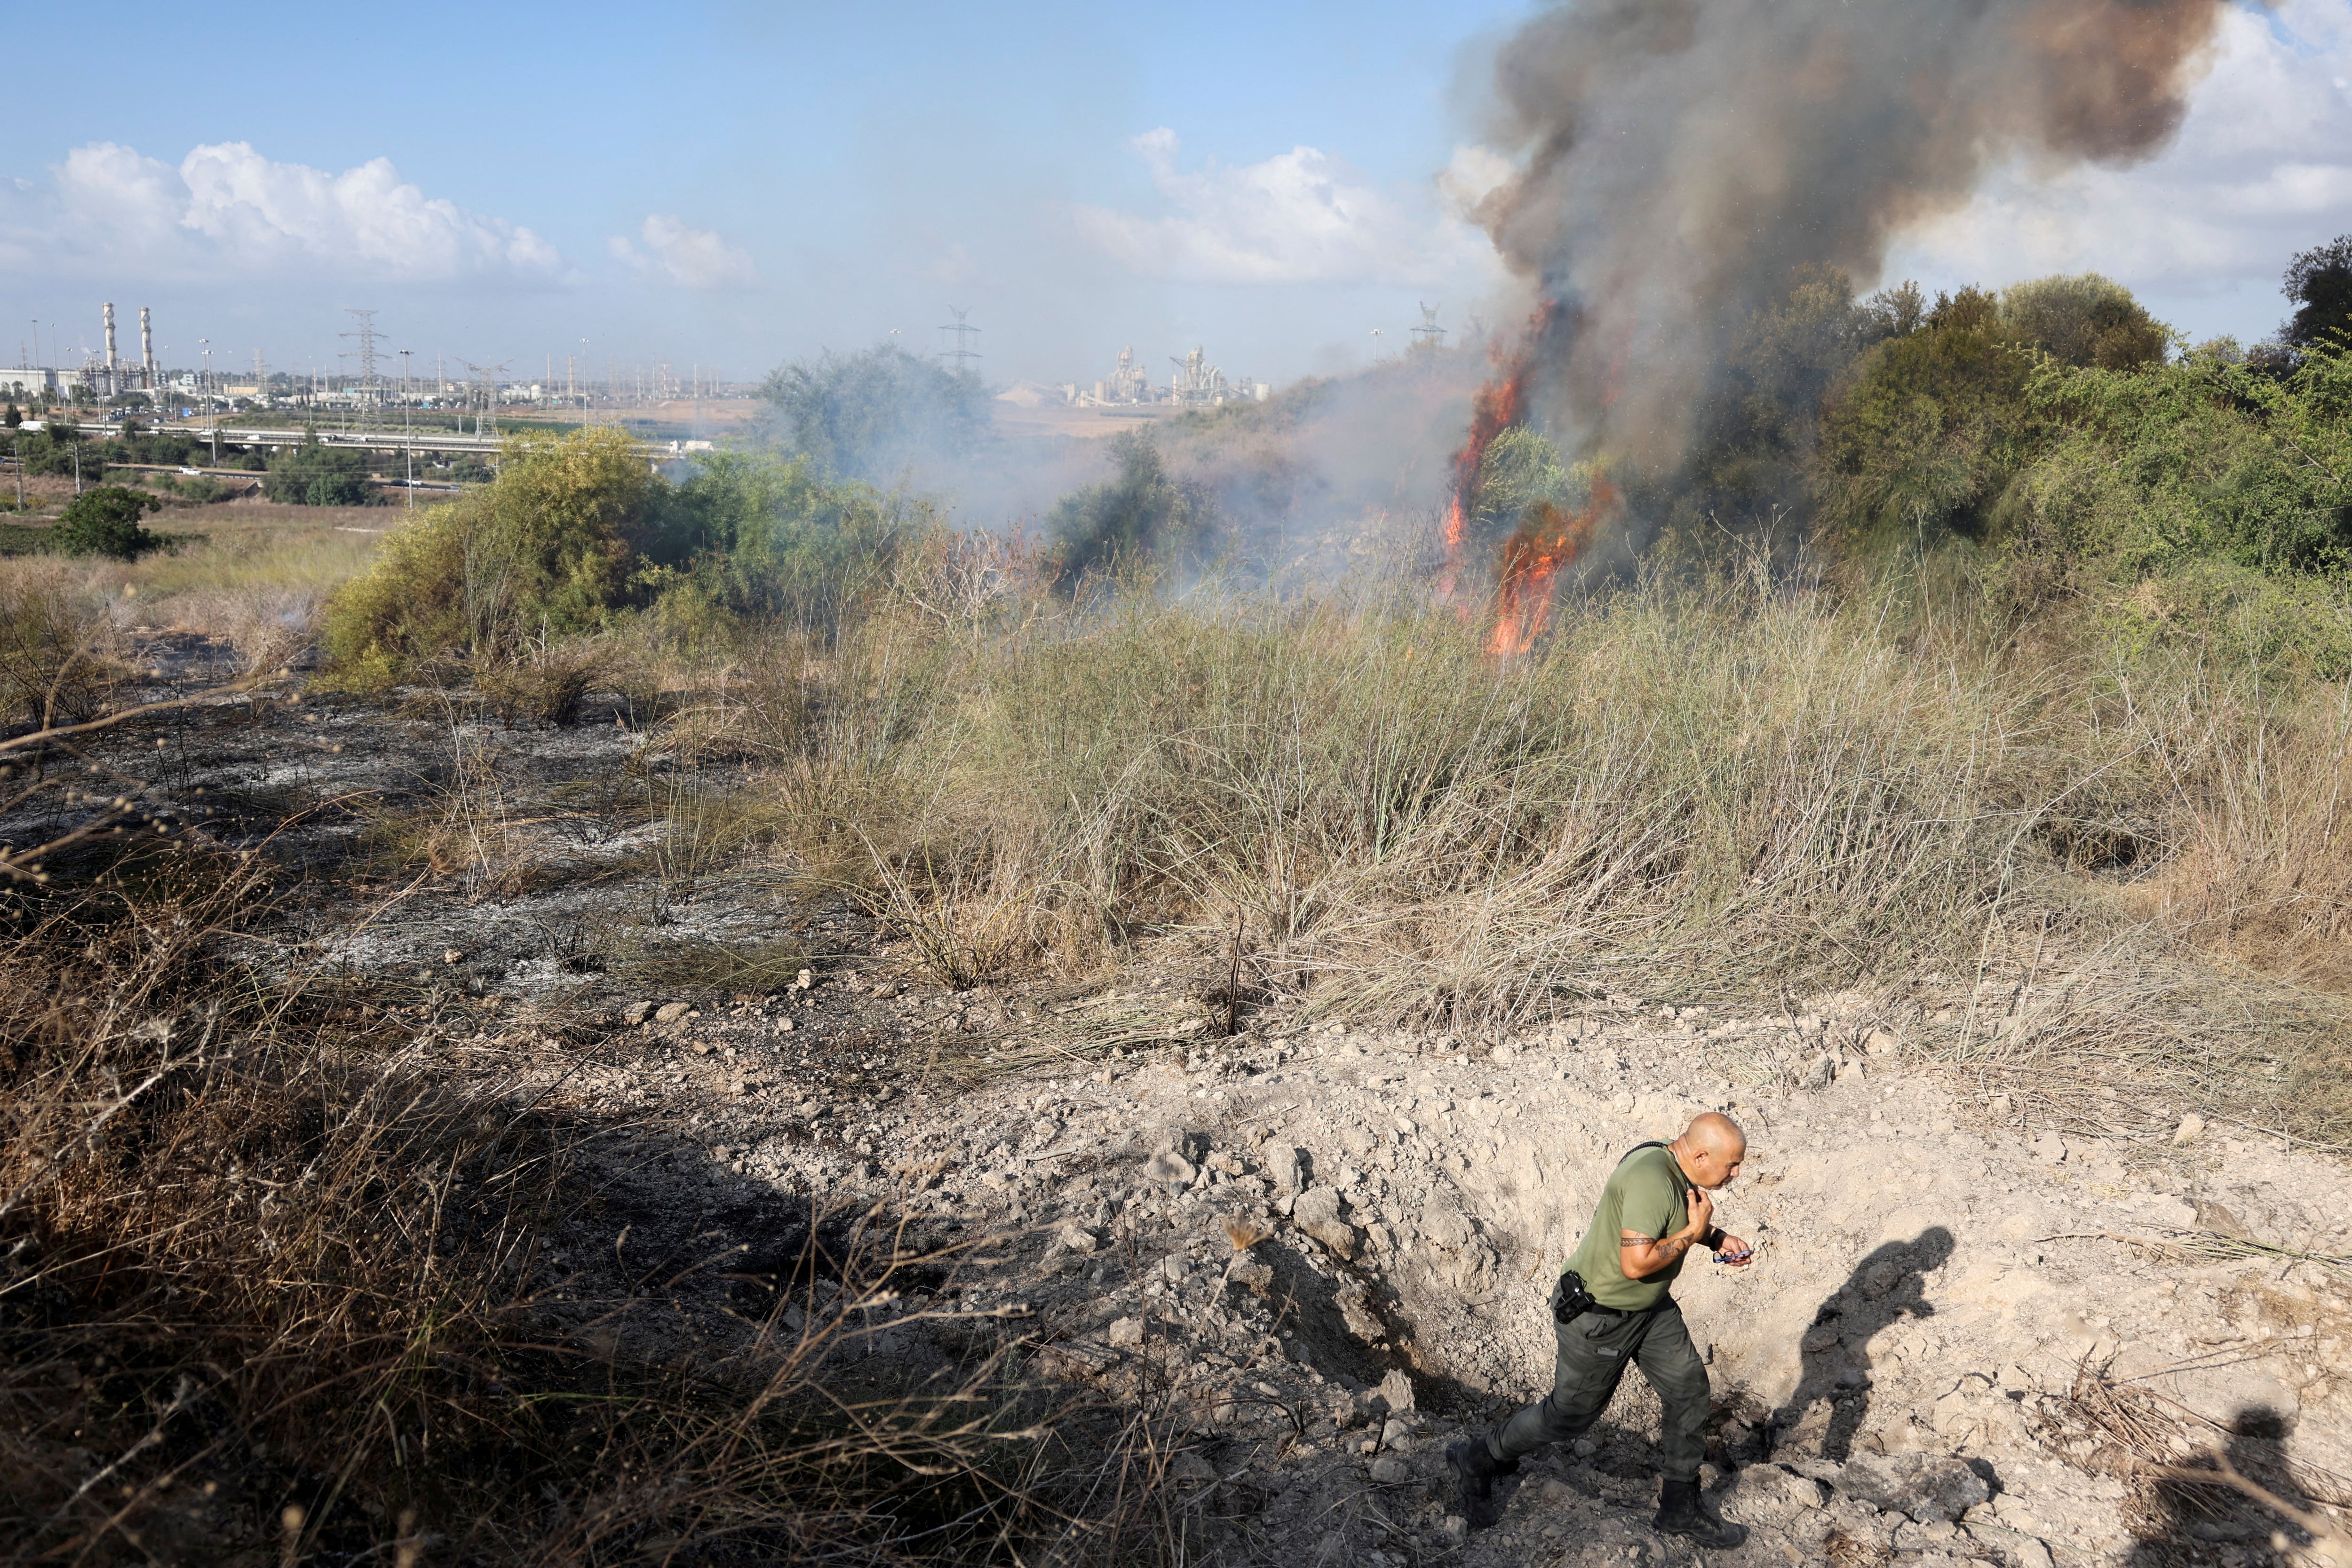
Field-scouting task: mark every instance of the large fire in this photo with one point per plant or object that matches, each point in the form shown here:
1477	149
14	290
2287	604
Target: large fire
1497	406
1547	539
1547	536
1494	409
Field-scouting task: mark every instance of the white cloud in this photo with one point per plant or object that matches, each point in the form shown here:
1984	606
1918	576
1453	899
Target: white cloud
226	210
689	258
2262	169
1301	216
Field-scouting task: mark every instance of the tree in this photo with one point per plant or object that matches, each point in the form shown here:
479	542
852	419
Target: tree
13	418
2088	320
105	521
1143	510
2320	283
312	475
869	416
1930	430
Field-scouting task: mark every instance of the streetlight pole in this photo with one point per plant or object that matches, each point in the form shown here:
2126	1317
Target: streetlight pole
207	387
407	434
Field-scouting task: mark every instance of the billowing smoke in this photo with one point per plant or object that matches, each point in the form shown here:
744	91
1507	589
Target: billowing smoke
1679	157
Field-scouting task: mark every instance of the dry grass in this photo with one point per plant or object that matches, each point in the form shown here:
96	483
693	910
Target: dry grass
1726	792
59	651
273	1283
546	682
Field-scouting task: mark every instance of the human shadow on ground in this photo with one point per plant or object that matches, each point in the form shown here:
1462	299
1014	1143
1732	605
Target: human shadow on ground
2188	1520
1833	1393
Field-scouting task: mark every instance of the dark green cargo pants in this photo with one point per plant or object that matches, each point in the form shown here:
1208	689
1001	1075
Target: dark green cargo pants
1593	1351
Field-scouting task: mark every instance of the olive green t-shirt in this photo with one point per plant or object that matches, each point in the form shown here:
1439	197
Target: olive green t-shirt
1644	1194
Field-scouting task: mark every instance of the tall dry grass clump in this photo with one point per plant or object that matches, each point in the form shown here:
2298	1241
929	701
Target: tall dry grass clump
59	651
1681	788
2259	836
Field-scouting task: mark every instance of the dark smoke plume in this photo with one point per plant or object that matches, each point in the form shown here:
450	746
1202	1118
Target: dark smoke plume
1681	156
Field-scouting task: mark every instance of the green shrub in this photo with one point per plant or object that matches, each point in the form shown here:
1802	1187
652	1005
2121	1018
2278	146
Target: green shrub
548	551
750	535
105	521
1143	510
2203	460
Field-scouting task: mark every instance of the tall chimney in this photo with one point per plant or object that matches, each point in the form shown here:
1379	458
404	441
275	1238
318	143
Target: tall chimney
147	347
111	385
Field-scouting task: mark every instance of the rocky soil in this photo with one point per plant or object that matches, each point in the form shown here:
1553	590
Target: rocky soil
1322	1252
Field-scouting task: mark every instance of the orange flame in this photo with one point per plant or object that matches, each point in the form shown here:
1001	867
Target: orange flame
1546	540
1497	406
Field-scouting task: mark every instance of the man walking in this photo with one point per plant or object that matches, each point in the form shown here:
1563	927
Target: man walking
1611	1307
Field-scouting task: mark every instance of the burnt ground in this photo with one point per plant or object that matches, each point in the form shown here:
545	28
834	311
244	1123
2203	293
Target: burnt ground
1319	1253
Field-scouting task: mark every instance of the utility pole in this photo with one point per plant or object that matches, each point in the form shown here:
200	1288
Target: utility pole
204	385
486	423
365	355
962	353
1429	337
407	434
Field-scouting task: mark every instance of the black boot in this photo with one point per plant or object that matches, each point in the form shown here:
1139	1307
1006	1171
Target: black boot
1475	1469
1681	1512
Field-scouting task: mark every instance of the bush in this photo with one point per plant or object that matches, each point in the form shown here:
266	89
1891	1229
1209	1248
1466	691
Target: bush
548	551
867	416
2203	460
545	684
312	475
775	540
105	521
1142	512
1933	427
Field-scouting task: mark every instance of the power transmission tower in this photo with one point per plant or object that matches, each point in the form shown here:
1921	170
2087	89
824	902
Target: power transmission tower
1429	337
486	422
964	330
365	355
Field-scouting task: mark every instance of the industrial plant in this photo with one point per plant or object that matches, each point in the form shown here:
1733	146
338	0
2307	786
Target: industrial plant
1195	384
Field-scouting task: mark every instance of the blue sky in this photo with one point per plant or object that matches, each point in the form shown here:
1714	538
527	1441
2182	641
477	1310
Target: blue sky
738	184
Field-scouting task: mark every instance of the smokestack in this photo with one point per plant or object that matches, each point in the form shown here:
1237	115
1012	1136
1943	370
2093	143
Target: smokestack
112	388
1678	158
147	347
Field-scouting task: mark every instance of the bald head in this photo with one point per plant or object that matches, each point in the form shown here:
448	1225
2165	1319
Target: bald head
1711	1149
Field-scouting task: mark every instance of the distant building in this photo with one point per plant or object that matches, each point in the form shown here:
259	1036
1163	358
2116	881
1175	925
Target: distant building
20	381
1196	384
